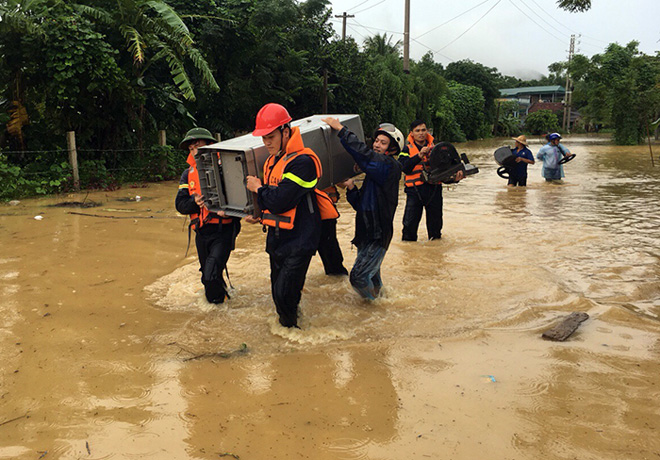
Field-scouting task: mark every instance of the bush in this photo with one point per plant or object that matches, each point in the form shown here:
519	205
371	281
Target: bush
543	121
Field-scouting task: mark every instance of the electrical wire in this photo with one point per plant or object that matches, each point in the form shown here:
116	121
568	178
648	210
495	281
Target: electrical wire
368	8
474	24
431	50
375	28
359	4
455	17
565	27
532	19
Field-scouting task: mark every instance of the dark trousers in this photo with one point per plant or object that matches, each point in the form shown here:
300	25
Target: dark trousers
287	279
329	249
425	196
213	250
520	181
365	274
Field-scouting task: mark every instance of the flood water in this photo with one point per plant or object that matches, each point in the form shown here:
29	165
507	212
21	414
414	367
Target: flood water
100	317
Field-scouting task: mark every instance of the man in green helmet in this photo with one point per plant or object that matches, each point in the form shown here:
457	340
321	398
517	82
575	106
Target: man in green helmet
215	233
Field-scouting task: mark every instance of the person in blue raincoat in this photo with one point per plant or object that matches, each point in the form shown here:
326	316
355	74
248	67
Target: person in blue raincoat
551	154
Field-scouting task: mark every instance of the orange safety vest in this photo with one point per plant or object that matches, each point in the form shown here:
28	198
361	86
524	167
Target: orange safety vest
197	220
416	178
273	173
332	192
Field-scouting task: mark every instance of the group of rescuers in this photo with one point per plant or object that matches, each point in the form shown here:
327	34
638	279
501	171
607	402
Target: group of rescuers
301	219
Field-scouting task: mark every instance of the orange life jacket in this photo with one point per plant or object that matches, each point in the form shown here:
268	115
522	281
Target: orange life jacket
273	172
416	178
197	220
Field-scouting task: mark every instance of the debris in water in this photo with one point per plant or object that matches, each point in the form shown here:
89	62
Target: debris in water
564	329
14	203
39	217
241	350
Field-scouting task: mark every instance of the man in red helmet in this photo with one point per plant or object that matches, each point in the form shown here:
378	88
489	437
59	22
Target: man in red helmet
289	207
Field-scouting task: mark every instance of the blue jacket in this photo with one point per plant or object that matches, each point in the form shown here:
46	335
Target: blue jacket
375	202
520	169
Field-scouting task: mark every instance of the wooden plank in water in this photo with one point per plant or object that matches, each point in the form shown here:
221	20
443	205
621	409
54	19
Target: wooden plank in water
563	330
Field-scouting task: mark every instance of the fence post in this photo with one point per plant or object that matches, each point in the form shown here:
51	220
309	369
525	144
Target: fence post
73	158
218	137
162	141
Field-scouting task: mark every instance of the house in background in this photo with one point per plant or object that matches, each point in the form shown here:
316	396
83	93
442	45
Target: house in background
535	96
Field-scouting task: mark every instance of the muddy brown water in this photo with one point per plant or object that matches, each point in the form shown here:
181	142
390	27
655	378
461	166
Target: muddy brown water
100	314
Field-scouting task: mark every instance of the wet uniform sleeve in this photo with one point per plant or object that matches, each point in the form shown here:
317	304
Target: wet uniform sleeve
371	163
407	162
184	203
299	178
353	197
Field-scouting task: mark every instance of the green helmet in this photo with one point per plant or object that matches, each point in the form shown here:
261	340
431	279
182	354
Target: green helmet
195	134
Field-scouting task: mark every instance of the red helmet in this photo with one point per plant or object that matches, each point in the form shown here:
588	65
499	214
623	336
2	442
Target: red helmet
270	117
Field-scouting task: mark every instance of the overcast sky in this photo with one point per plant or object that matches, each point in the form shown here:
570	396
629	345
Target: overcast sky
518	37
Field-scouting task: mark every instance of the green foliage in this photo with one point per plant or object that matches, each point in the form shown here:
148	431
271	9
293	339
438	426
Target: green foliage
446	127
475	74
468	102
541	122
621	88
574	6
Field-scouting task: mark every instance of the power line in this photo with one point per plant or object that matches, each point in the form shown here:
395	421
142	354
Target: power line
455	17
532	19
565	27
369	7
380	30
474	24
353	29
359	4
434	52
541	17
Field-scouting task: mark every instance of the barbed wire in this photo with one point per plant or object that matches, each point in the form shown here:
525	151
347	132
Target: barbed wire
32	152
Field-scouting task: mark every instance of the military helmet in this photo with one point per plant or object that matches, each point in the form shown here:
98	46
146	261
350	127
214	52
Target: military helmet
196	134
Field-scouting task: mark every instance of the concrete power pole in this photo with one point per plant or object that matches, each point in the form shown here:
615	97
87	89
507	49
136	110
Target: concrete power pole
406	39
566	125
343	27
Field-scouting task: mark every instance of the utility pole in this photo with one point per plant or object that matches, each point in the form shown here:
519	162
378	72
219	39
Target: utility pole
566	125
406	39
343	27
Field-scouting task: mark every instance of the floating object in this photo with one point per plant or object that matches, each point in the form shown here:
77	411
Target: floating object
444	163
506	159
138	197
490	377
224	166
564	329
14	203
38	217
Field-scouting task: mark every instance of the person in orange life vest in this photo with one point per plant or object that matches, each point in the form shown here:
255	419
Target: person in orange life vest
375	202
420	195
329	249
215	234
289	208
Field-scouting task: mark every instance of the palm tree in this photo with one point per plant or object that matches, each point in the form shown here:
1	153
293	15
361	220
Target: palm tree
381	45
154	32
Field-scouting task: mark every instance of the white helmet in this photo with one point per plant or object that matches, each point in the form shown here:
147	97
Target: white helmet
391	131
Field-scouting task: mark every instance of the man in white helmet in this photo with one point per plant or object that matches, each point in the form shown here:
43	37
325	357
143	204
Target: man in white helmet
375	202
